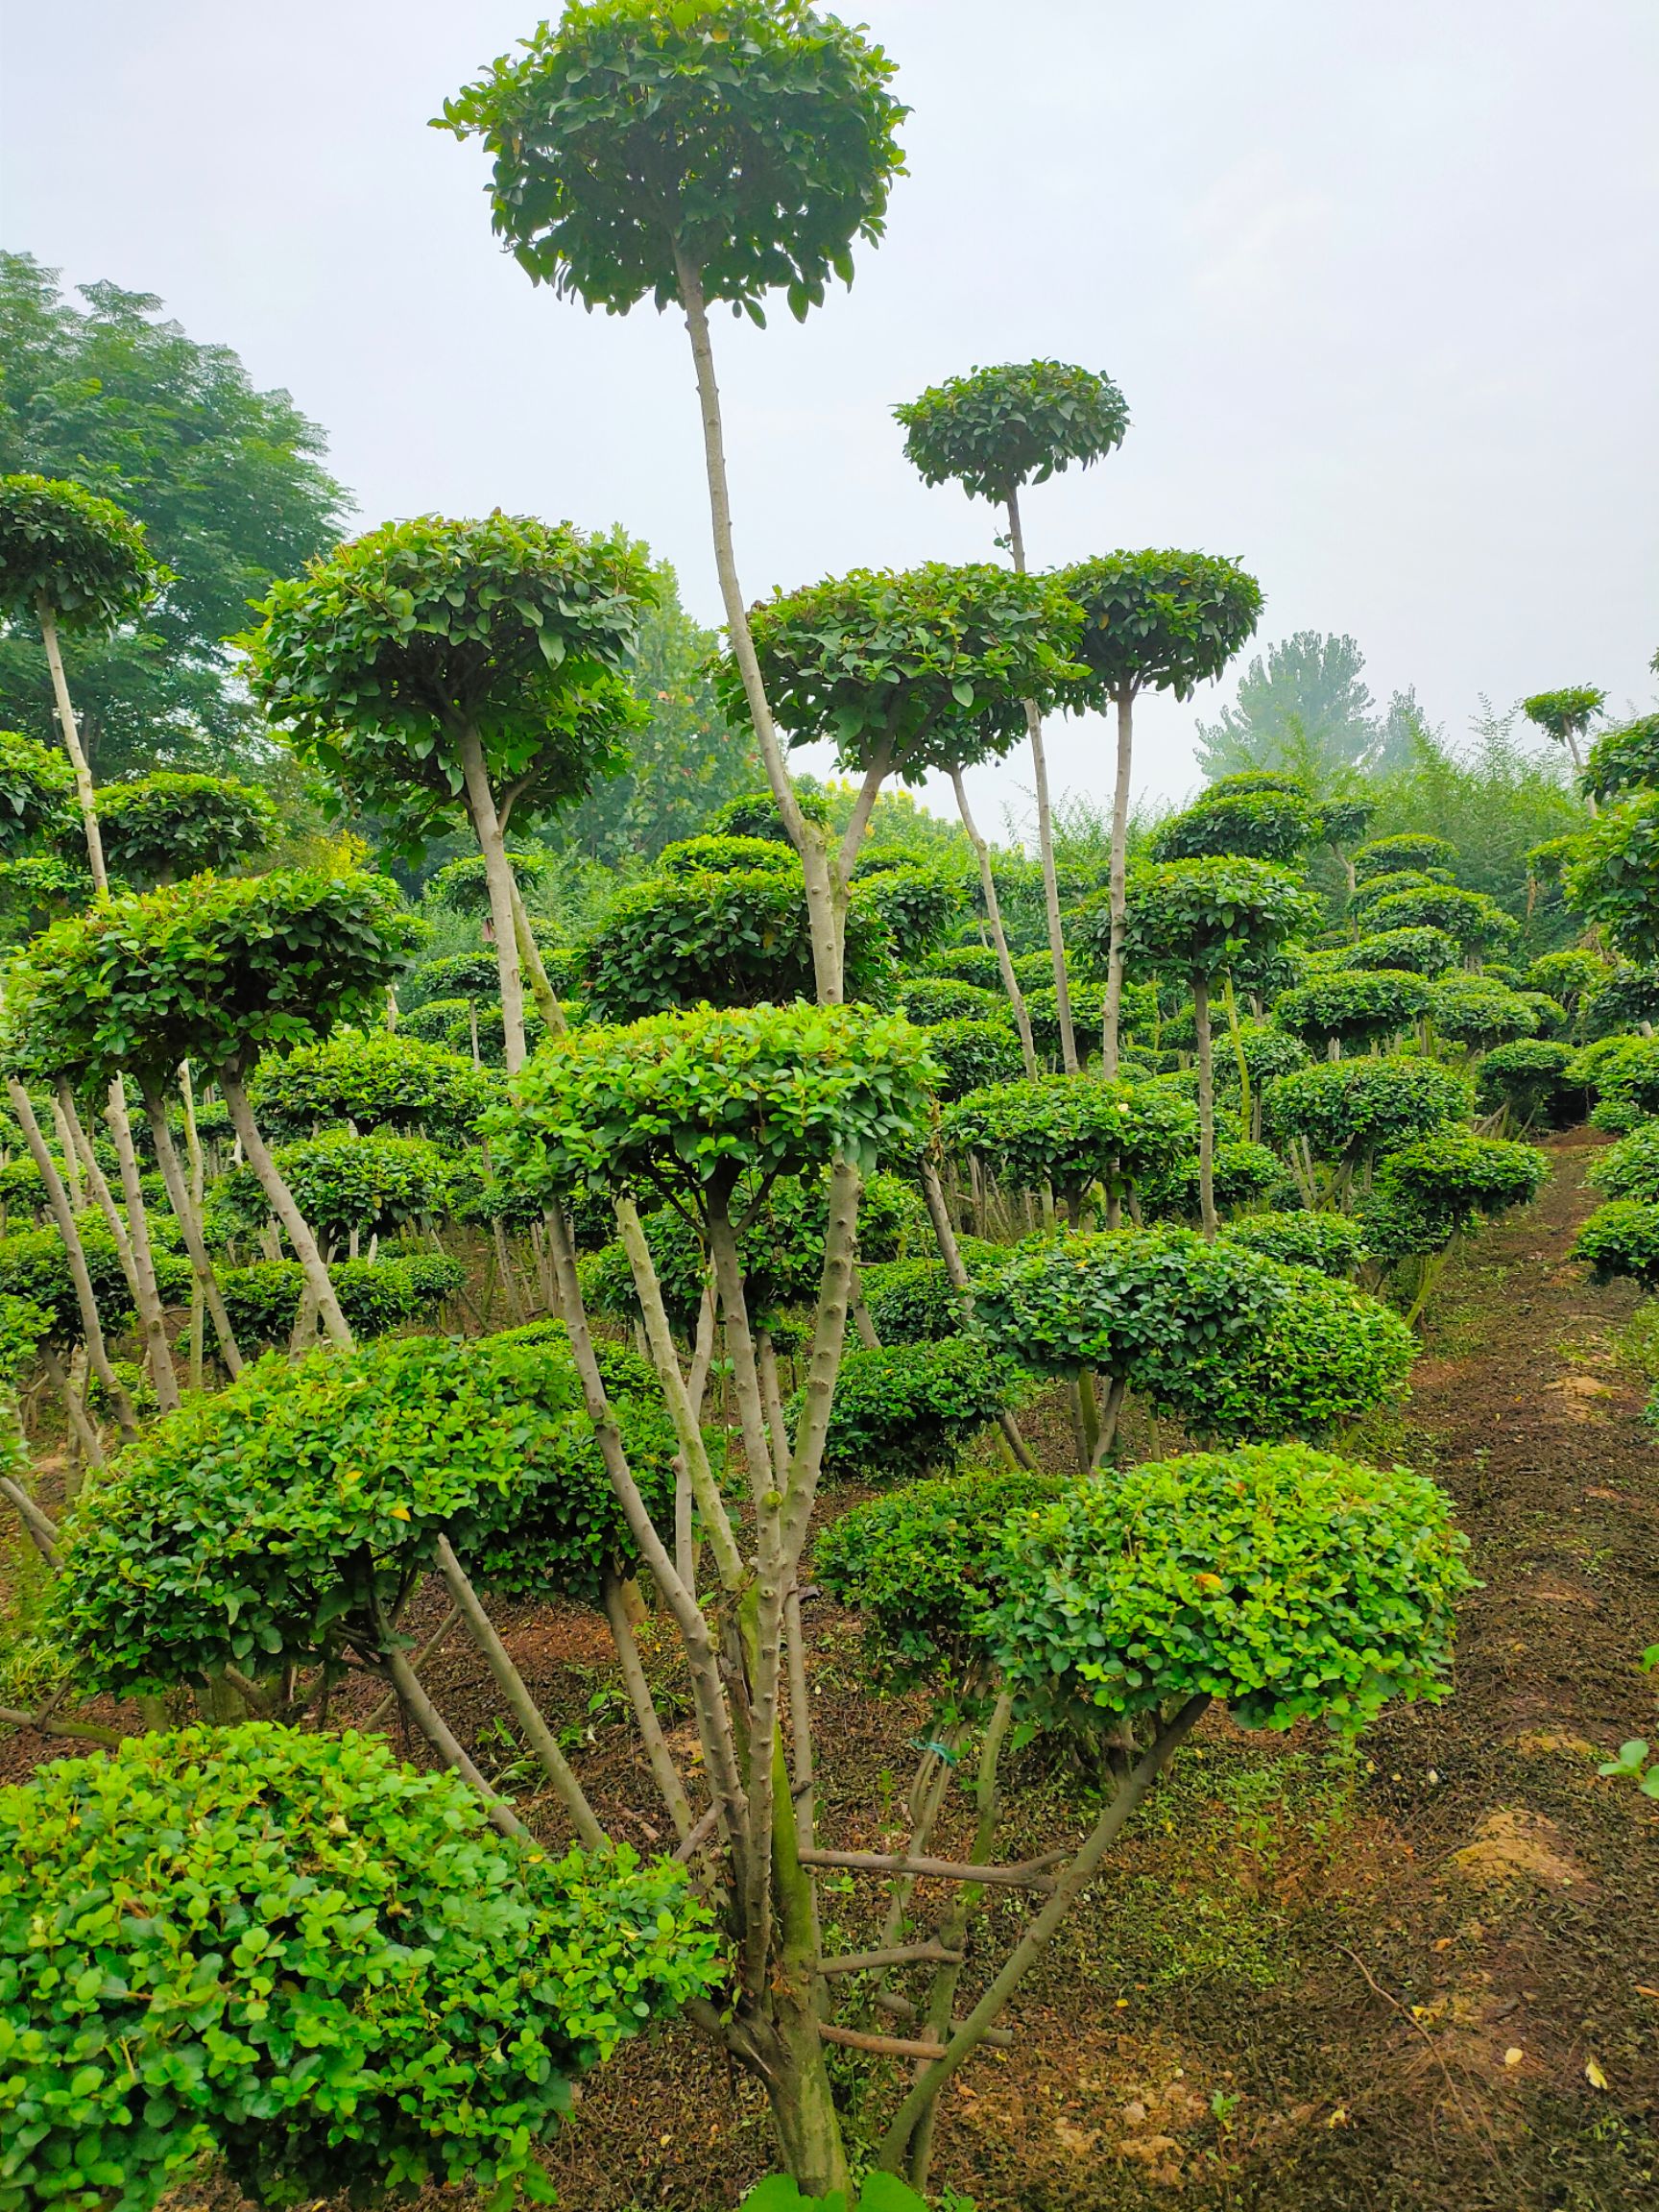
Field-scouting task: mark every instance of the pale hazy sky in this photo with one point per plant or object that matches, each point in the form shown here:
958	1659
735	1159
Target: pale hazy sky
1381	283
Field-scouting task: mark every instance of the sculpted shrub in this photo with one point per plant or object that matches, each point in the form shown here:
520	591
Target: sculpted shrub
1331	1244
912	1302
1629	1168
1072	1132
1362	1006
345	1184
1527	1077
377	1082
1474	1011
1621	1238
1421	951
1350	1109
971	1055
909	1408
242	1941
1244	1172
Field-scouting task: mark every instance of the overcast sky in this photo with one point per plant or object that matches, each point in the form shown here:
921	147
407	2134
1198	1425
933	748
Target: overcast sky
1380	285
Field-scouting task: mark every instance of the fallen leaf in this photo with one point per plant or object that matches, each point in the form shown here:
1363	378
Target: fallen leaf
1514	2054
1594	2074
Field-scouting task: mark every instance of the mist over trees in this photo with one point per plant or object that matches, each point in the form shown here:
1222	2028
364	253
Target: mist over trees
1304	706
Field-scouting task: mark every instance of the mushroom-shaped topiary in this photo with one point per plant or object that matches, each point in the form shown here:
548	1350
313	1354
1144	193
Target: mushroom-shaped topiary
1478	1012
1414	848
375	1080
160	827
1070	1132
1352	1006
1566	715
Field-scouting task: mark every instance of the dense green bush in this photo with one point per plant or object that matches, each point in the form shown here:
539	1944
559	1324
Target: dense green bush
1258	825
342	1183
735	938
458	975
1472	919
277	1523
1424	952
920	1565
435	1021
1624	760
1576	973
1621	1000
911	1408
1368	896
1476	1011
34	1266
755	814
928	999
1289	1584
1408	849
1267	1052
1438	1187
1528	1077
377	1081
161	827
970	964
1245	1173
915	906
1629	1168
263	1300
1612	880
463	885
1357	1006
36	790
974	1055
1072	1132
1332	1243
911	1301
296	1954
724	854
1621	1238
1350	1109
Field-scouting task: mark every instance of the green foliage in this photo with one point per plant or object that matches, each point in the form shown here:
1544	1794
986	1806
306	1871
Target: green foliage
921	1566
457	976
463	886
161	827
40	889
37	787
914	905
996	429
1353	1109
1621	1238
1567	713
1614	880
754	813
1289	1584
721	856
1072	1132
930	999
1267	1052
1257	825
1244	1174
279	1522
435	1021
1303	707
209	971
737	938
682	1102
1528	1077
908	1409
877	2193
377	1080
263	1299
341	1183
1410	849
1234	1343
1357	1006
1474	1011
1428	1191
225	480
1368	895
1624	997
381	657
34	1266
298	1954
1629	1168
970	1056
750	141
1469	916
976	964
927	669
1332	1243
1158	621
1420	951
1624	760
1200	917
83	556
911	1301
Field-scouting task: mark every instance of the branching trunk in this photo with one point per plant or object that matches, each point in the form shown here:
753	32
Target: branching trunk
1205	1107
441	1738
159	1350
663	1772
998	935
282	1204
1112	1026
71	736
498	875
1045	829
207	1282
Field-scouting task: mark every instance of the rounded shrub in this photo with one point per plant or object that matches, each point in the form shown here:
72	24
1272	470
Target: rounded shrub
1406	848
1351	1110
1330	1244
928	999
1439	1185
1621	1238
1528	1077
916	905
1573	974
1257	825
457	975
1469	916
911	1301
1355	1006
301	1955
1245	1173
1629	1168
1425	951
1620	1001
973	1055
1368	895
970	964
913	1408
723	854
919	1566
1286	1583
1474	1011
377	1081
1072	1132
342	1183
160	827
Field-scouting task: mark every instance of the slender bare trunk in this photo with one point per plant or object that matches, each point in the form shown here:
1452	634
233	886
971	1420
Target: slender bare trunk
1118	894
498	875
206	1281
531	963
1045	829
1205	1107
663	1772
442	1736
283	1205
150	1316
998	936
71	734
808	838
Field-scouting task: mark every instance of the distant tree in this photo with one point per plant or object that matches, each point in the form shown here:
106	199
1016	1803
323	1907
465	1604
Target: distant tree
1566	716
228	482
993	432
1303	704
687	760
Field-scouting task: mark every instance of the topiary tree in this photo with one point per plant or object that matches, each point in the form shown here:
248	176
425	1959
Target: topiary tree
695	156
346	1187
906	674
1343	824
70	561
1332	1243
1422	951
930	999
1474	920
737	937
910	1410
1629	1168
1254	824
1621	1239
1566	716
970	1056
213	972
717	856
1575	976
1526	1080
1346	1008
754	813
343	1892
371	1080
1349	1112
1243	1174
1436	1188
1416	850
1154	622
993	432
1478	1013
1195	918
1622	762
1068	1134
438	664
160	827
684	1108
1289	1584
1612	878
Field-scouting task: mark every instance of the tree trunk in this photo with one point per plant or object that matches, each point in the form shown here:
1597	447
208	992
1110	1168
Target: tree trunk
207	1282
1119	895
155	1328
1045	830
998	936
1205	1107
531	965
89	804
807	837
282	1205
499	874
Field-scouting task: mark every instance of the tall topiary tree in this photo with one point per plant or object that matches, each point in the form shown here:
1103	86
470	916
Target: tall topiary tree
439	663
158	828
1153	621
995	431
1566	715
932	669
1195	918
721	152
70	561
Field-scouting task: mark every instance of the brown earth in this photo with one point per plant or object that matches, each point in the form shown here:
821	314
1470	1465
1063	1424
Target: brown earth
1424	1978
